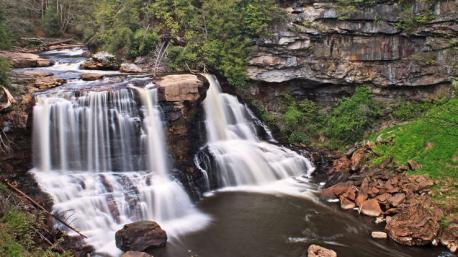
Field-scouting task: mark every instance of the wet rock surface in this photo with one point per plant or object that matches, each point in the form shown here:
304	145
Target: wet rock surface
101	61
140	236
91	76
322	43
319	251
25	60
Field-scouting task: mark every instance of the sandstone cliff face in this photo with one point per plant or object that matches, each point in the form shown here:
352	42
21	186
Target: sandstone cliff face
324	43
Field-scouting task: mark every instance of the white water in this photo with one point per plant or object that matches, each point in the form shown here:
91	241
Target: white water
241	158
104	167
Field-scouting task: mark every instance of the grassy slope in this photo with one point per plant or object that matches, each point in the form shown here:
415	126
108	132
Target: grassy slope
432	141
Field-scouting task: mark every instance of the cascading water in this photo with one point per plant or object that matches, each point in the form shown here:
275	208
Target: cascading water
239	156
104	168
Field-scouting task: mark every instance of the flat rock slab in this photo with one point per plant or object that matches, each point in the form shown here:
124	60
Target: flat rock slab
25	60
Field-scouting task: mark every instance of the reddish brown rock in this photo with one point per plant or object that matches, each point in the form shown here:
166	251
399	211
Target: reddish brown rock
140	236
336	190
397	199
319	251
341	165
346	204
371	208
357	158
416	224
449	237
414	165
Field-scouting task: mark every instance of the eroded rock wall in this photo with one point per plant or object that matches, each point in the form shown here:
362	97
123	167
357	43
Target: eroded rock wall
324	43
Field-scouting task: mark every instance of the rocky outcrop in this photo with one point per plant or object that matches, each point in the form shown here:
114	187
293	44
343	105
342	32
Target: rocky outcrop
25	60
388	193
319	251
180	97
324	43
140	236
449	237
416	223
15	121
101	61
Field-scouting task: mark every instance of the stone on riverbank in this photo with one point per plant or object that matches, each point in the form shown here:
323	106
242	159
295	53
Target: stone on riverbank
371	208
130	68
379	235
25	60
101	61
91	76
449	237
416	224
140	236
319	251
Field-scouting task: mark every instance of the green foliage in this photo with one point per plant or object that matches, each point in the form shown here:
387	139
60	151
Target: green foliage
4	72
18	237
410	20
301	120
431	140
51	22
5	37
200	34
348	121
408	110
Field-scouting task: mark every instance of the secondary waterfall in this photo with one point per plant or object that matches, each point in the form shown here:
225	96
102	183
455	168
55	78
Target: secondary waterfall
103	160
239	156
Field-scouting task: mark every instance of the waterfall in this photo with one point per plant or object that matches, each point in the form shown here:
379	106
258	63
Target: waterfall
103	161
239	156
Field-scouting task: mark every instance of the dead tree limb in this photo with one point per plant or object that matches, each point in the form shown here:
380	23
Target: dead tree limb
37	205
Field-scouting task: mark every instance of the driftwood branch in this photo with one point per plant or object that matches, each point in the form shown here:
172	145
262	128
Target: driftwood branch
37	205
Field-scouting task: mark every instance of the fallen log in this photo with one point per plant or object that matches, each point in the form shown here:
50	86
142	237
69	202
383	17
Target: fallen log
37	205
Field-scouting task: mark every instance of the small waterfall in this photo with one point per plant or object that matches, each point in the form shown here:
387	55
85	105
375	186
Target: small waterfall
104	163
239	156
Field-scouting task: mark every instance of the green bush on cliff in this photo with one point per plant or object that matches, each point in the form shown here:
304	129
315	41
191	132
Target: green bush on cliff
348	121
198	35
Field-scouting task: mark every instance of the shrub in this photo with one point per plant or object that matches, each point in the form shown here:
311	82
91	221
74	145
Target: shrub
348	121
408	110
51	22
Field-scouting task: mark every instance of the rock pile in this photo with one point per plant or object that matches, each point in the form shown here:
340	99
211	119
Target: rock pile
388	193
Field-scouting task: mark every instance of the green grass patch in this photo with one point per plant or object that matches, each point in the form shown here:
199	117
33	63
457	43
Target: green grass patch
431	140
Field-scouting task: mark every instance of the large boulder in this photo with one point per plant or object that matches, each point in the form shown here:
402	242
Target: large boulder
178	88
101	61
140	236
416	224
371	208
319	251
25	60
130	68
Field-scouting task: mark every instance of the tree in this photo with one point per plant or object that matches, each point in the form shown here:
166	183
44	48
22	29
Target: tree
5	37
51	22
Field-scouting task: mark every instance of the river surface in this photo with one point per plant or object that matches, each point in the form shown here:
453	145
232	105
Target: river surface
262	200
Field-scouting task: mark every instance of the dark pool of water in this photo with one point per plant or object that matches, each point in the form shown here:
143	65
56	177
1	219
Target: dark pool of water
260	225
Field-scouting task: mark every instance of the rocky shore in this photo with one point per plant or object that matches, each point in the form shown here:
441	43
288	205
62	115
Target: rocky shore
403	202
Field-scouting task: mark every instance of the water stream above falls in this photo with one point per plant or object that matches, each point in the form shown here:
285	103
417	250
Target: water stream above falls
101	154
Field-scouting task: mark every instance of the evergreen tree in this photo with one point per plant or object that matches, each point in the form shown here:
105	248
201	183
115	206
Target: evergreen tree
51	22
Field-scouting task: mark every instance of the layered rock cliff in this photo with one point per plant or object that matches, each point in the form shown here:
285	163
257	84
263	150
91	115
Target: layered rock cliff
390	44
